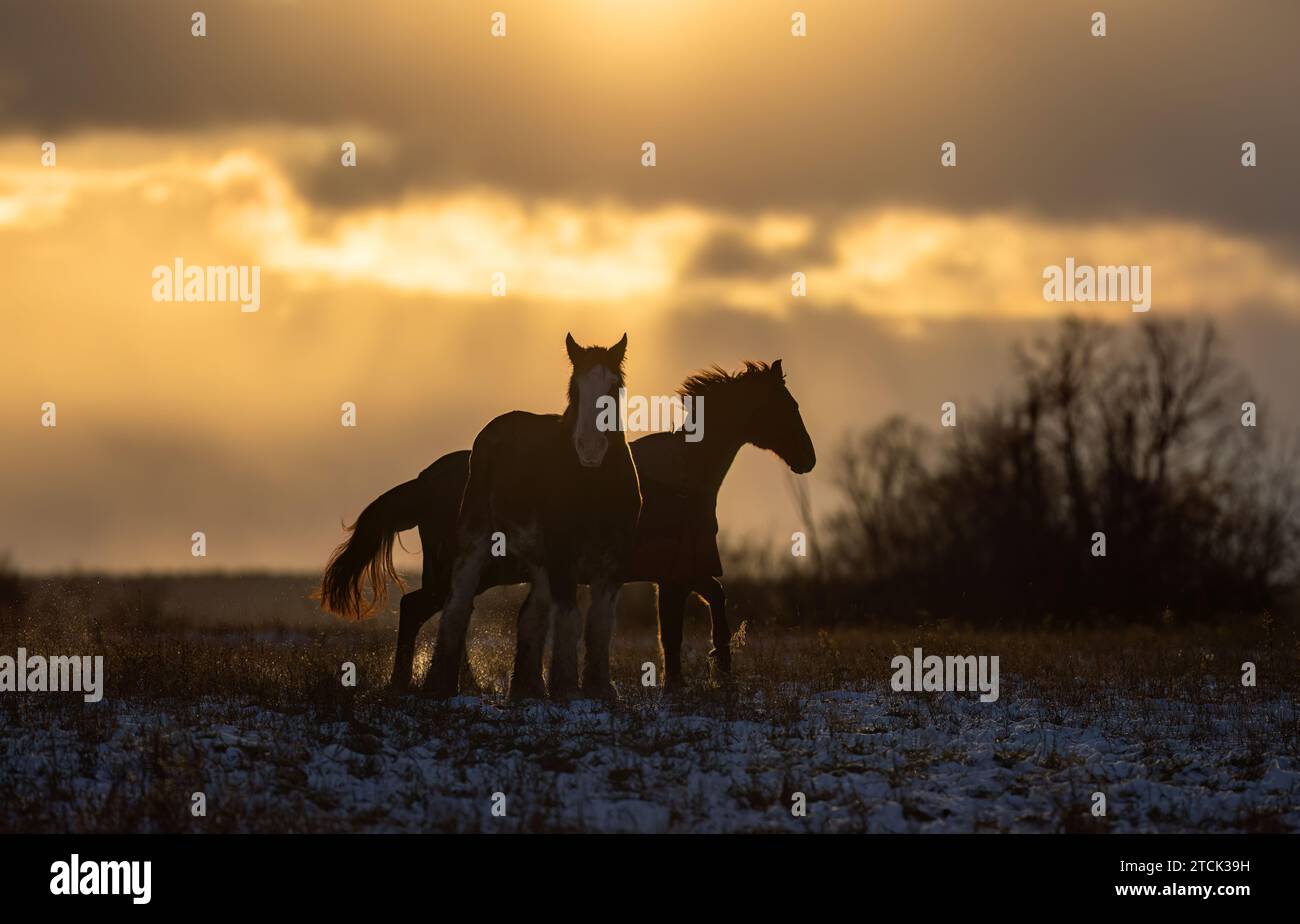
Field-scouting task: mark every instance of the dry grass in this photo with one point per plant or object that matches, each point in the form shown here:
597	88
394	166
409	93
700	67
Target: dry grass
241	652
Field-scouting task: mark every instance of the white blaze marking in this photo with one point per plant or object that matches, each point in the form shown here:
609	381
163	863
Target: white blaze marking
592	384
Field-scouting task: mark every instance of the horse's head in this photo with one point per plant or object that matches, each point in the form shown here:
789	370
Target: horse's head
776	424
597	374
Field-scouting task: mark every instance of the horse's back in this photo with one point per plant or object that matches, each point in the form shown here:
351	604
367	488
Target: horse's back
515	431
444	484
447	469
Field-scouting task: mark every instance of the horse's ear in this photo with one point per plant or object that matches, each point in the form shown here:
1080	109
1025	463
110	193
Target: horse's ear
618	350
572	346
776	367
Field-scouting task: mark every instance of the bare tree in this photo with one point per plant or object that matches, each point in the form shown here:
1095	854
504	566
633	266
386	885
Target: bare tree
1133	435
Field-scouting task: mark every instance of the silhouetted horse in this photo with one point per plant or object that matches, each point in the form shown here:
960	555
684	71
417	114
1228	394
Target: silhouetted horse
676	545
563	493
677	536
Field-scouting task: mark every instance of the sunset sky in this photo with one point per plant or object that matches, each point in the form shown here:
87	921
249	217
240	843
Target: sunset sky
522	155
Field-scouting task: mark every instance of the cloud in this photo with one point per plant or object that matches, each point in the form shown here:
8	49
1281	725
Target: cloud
236	203
1049	120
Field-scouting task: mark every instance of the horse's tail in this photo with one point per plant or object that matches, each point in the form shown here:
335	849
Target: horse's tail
367	555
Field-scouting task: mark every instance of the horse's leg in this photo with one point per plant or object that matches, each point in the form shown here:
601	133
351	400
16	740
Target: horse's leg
530	641
416	608
473	542
568	627
600	627
449	648
711	590
672	607
468	683
441	585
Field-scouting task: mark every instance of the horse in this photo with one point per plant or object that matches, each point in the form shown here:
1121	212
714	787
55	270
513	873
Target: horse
562	492
676	537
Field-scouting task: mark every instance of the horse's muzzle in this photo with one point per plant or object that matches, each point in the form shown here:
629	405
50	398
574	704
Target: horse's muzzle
805	465
591	451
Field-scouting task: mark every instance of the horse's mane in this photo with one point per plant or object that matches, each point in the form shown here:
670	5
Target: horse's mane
706	380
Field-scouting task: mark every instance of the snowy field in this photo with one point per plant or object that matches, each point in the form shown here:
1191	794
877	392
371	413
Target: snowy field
865	762
251	713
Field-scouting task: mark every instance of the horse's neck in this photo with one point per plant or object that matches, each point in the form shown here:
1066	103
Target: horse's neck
710	459
713	461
